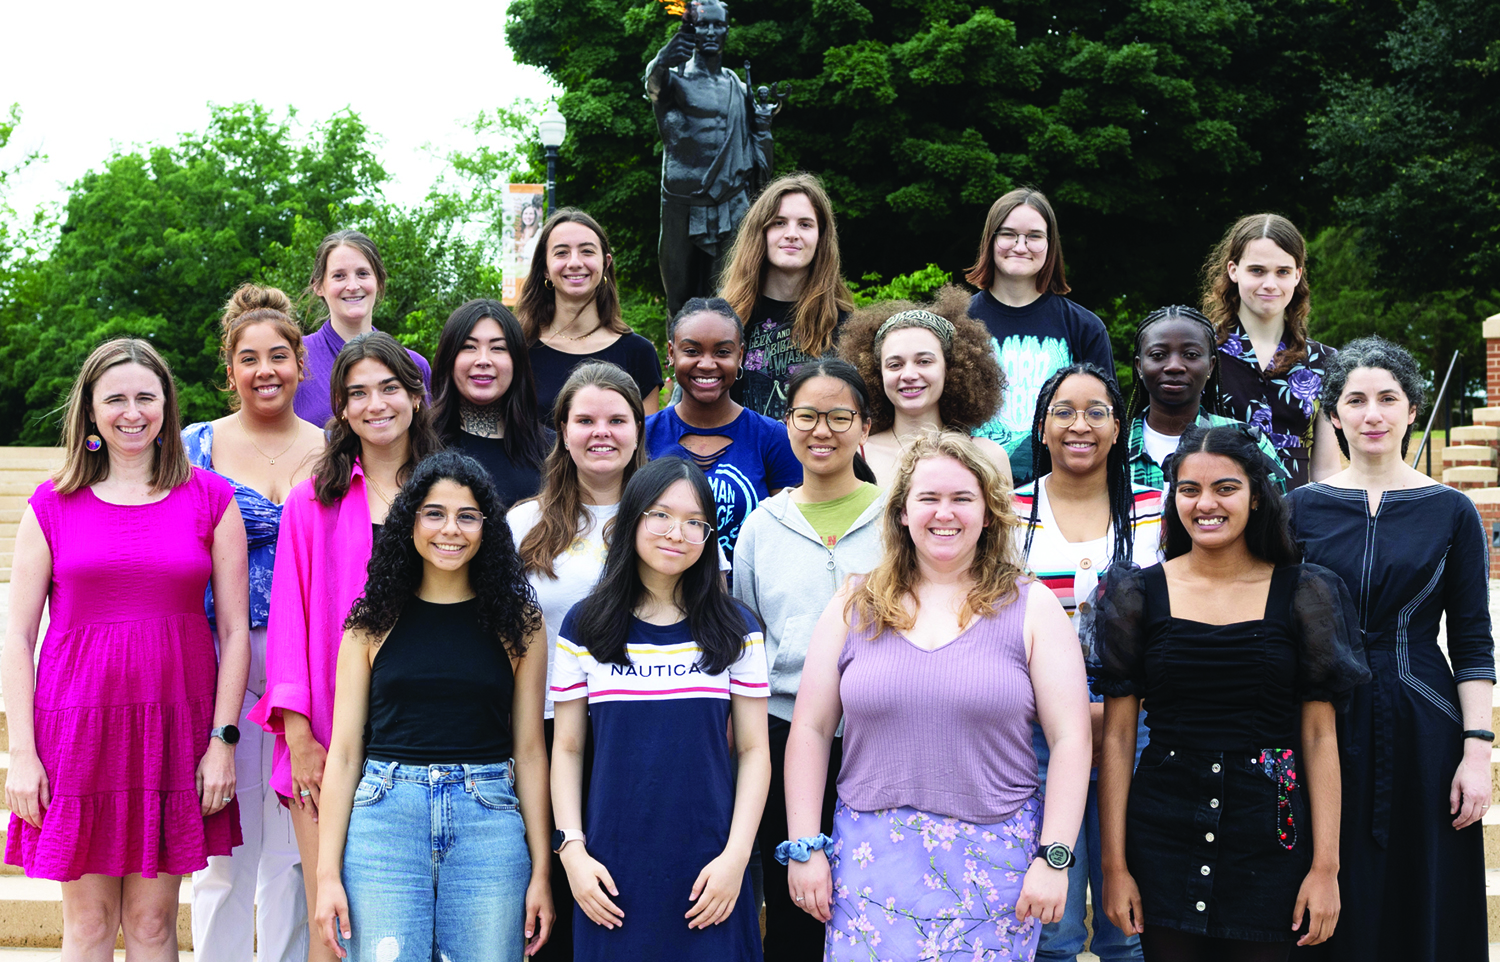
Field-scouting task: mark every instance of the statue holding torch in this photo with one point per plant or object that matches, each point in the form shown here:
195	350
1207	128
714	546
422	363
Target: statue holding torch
716	149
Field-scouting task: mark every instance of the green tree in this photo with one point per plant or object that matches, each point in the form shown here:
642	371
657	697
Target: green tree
1151	123
1412	148
153	243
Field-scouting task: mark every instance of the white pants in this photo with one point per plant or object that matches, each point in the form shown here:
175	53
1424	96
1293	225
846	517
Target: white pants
253	898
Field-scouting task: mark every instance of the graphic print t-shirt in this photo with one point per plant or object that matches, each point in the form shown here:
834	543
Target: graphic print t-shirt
771	357
1032	343
757	459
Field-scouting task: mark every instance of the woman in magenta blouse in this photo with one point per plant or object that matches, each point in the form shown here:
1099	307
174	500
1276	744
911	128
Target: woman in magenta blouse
381	429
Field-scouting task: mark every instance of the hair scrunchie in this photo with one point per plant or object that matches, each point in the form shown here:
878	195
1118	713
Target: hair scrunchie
801	850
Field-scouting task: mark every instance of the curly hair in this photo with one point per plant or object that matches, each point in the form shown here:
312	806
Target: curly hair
1221	296
973	386
1374	352
508	608
880	600
1268	533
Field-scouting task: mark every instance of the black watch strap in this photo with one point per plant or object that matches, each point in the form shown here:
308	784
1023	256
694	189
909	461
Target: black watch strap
1480	733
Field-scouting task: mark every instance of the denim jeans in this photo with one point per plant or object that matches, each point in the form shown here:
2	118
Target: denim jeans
1064	939
436	865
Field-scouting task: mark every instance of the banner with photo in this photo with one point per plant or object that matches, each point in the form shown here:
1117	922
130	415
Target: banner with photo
523	222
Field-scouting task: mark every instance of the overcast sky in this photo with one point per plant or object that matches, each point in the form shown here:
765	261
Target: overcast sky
92	77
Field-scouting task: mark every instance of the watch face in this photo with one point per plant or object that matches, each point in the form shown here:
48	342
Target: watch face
1058	855
557	839
231	734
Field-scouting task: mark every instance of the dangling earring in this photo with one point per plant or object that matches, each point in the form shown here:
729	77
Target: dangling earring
93	442
158	440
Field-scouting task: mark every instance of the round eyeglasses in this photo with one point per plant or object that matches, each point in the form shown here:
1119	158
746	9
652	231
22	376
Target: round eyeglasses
435	519
1007	238
661	524
806	419
1095	415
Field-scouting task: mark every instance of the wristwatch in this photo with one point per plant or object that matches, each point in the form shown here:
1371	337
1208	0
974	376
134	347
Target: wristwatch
563	836
1058	855
227	733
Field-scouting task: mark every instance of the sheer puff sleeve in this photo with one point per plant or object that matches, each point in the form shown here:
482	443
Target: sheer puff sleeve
1331	660
1112	630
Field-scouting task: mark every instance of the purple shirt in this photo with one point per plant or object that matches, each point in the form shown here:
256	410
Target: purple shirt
314	401
946	731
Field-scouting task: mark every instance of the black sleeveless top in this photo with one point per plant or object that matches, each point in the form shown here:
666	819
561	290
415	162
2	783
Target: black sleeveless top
440	690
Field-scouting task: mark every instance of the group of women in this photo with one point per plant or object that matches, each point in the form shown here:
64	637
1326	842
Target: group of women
496	659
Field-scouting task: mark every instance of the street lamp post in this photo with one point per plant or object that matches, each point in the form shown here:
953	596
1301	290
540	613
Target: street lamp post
553	128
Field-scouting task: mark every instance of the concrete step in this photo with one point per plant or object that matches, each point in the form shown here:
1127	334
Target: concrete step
1474	476
1475	434
1468	454
31	913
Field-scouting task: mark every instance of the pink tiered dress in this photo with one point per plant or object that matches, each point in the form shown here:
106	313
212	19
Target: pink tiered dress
125	687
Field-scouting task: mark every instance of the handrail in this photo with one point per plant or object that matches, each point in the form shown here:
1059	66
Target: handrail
1437	405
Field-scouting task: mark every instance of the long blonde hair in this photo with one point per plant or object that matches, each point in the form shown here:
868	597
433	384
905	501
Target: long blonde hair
825	294
562	512
82	467
880	601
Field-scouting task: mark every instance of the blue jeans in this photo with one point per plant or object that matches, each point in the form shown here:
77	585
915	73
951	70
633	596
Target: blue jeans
436	865
1064	939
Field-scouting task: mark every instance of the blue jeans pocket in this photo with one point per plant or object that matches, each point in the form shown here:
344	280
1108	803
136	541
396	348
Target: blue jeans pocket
497	792
371	789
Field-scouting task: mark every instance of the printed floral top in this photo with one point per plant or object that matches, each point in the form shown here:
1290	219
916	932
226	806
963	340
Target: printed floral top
1281	405
262	522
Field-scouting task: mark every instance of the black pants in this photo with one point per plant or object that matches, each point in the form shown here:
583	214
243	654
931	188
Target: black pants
559	947
791	934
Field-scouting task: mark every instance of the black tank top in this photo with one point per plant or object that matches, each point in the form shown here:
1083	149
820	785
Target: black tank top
440	690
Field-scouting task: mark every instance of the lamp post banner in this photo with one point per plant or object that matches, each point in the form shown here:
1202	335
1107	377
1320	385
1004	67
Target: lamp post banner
522	223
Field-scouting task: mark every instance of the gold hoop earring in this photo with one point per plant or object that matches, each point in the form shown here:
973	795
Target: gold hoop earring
547	283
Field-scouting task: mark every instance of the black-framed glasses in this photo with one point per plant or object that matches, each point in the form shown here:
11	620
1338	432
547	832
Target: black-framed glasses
661	524
1095	415
806	419
434	519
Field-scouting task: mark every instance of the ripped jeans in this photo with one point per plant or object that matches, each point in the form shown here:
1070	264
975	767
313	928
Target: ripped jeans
436	864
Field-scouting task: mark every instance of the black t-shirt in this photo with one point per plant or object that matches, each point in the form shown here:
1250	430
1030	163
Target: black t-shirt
440	690
515	480
772	357
632	352
1032	343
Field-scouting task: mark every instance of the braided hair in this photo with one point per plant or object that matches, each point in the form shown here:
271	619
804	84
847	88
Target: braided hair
1176	312
1117	467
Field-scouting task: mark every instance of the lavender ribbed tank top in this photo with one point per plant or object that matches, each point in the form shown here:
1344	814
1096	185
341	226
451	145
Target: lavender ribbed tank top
945	731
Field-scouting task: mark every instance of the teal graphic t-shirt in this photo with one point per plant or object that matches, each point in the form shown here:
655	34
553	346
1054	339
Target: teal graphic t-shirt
1032	343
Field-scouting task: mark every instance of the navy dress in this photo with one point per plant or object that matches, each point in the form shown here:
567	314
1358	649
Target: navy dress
1218	834
1412	887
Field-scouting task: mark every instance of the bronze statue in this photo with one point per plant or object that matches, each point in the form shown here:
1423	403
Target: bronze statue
716	150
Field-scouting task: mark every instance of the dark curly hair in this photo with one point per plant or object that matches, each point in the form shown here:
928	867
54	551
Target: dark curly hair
973	385
1268	533
508	607
1374	352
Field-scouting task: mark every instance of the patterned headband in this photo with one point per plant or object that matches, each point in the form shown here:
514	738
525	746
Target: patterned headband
940	326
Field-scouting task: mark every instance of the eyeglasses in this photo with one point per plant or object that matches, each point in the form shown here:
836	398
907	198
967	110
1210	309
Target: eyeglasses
1007	238
1095	416
661	524
806	419
435	519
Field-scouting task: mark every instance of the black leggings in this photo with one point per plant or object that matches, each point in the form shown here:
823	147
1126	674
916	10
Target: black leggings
1160	944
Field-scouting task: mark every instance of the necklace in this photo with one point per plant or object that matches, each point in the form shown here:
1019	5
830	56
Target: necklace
379	491
574	337
239	419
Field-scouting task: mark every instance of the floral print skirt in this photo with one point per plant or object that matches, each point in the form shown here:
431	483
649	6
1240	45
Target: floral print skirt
912	885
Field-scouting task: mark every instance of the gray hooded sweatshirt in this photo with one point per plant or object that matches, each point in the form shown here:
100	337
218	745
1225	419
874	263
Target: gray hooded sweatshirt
787	575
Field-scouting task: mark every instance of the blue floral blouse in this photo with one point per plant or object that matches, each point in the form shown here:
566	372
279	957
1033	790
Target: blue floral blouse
262	522
1283	405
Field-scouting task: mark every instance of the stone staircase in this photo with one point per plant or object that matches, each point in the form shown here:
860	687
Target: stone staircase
21	470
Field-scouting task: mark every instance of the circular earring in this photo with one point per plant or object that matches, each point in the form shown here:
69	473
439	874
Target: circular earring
93	442
547	283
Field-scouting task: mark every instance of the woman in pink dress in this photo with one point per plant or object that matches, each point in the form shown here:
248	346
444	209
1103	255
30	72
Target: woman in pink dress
122	738
381	428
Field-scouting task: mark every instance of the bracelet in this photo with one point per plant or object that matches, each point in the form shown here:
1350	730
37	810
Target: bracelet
1480	733
801	850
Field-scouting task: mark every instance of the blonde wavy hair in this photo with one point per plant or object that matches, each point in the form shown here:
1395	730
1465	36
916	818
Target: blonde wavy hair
879	603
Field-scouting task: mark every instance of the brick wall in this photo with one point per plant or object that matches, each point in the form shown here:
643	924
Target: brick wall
1488	503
